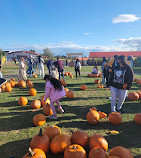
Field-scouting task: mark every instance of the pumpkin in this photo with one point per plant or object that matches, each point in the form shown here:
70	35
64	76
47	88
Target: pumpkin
95	75
35	153
52	131
83	87
97	81
35	76
97	153
93	117
69	73
30	85
59	143
75	151
139	81
71	76
70	94
97	140
100	75
133	96
8	88
93	108
115	118
17	85
100	86
80	137
36	104
47	110
7	84
137	118
32	92
125	85
121	152
102	114
12	84
22	101
39	119
3	88
5	71
139	93
66	90
22	83
40	141
63	82
66	74
46	102
135	79
27	81
12	79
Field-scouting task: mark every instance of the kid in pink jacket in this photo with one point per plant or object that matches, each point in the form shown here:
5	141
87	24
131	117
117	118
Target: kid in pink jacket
55	91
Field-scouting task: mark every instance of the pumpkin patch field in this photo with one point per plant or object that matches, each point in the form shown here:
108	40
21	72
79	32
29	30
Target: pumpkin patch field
84	129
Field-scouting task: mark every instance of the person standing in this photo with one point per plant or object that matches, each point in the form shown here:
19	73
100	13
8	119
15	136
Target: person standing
60	66
49	65
22	70
40	63
120	81
30	70
102	69
77	67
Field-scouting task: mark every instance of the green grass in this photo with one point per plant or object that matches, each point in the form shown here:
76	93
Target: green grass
17	129
137	70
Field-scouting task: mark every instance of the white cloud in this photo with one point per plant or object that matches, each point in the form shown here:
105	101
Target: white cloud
125	18
87	33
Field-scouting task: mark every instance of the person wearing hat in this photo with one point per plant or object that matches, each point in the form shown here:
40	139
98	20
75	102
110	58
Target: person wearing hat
22	70
30	70
120	81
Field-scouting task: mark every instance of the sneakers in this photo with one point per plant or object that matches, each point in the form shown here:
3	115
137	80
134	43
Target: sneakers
60	110
121	111
53	117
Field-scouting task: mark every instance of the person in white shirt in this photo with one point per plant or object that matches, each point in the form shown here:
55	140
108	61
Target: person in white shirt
40	63
77	67
22	70
95	70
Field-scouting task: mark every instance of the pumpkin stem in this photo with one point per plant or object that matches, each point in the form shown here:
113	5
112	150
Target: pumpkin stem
40	133
31	151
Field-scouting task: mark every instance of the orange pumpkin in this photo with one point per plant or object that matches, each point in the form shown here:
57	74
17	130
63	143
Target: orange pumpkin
12	79
12	83
40	141
69	73
66	90
3	88
22	101
46	102
93	108
39	119
63	82
97	153
102	114
137	118
75	151
83	87
8	88
100	75
100	86
71	76
52	131
35	76
121	152
70	94
133	96
115	118
47	110
59	143
97	140
7	84
97	81
35	153
27	81
95	75
93	117
66	74
125	85
36	104
80	137
22	83
32	92
139	93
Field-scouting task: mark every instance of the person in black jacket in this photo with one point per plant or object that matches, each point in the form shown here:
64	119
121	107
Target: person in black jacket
120	80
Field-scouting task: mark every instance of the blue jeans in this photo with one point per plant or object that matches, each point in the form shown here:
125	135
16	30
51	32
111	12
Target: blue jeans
61	72
119	94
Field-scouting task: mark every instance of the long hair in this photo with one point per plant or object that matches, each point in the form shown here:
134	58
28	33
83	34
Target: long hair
122	59
39	58
56	83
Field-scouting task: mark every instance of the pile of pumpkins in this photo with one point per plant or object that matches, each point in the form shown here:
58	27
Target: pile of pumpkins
68	74
95	75
134	96
93	117
72	146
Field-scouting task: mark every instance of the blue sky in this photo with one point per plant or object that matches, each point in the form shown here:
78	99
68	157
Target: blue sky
72	25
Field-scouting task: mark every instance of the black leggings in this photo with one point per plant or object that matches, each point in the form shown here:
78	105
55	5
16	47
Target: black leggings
77	70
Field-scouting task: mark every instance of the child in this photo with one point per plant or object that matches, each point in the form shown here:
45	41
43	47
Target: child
55	91
54	73
95	70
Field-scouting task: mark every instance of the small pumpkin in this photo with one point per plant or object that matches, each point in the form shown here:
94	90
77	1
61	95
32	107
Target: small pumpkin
8	88
47	110
100	86
97	153
59	143
66	74
40	141
70	94
46	102
95	75
7	84
75	151
22	83
102	114
97	81
63	82
115	118
36	104
12	79
22	101
93	117
35	76
35	153
39	119
137	118
71	76
12	83
80	137
32	92
69	73
66	90
97	140
3	88
83	87
52	131
133	96
121	152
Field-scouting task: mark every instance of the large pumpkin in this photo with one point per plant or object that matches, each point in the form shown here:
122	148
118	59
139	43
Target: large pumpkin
93	117
70	94
80	137
59	143
47	110
12	83
133	96
52	131
22	101
36	104
40	141
32	92
137	118
83	87
46	102
75	151
121	152
97	81
115	117
39	119
35	153
97	153
102	114
97	140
